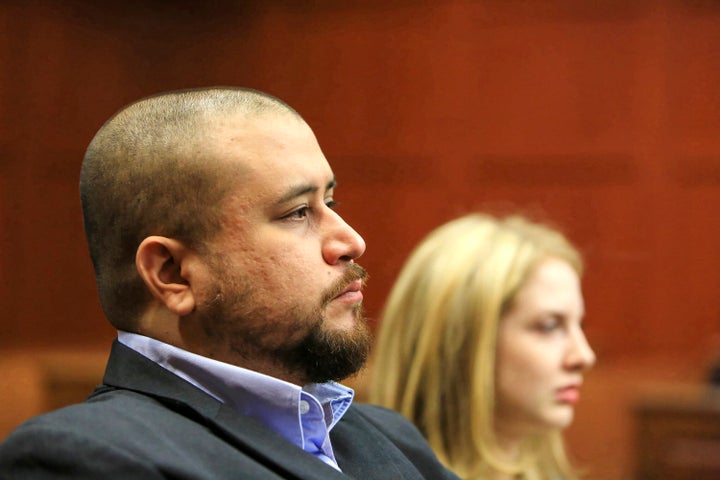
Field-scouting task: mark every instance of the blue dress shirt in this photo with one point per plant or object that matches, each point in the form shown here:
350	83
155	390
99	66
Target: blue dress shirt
302	415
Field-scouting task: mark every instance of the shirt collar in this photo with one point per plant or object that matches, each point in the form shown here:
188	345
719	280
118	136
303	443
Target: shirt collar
303	415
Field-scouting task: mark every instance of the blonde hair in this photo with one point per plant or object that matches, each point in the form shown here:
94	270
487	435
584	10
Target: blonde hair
435	351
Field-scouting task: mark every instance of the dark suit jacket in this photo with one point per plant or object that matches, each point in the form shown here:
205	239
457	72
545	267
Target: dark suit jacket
146	423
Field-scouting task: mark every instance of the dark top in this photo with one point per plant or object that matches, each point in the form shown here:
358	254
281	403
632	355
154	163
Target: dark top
144	422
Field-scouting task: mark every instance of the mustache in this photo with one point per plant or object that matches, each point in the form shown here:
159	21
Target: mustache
352	273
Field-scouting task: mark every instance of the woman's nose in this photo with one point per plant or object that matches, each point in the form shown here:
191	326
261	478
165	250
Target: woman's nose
580	355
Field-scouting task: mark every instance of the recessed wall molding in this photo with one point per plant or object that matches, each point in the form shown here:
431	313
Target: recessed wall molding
372	169
580	169
692	171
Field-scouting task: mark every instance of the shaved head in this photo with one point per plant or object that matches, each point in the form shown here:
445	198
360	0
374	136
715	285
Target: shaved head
153	169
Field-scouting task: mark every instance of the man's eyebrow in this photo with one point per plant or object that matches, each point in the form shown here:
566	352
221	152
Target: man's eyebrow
304	189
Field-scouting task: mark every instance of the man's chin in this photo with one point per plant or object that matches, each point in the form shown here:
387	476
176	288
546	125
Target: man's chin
343	325
343	317
331	352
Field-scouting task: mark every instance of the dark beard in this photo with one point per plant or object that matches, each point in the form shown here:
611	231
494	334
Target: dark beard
329	355
324	355
319	356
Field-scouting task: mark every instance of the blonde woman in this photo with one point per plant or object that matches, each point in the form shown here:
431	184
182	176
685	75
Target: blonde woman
481	346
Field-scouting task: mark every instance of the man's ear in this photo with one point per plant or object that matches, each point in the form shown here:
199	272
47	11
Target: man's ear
163	264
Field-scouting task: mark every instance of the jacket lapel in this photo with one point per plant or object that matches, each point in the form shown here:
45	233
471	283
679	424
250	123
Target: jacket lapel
270	448
364	452
129	370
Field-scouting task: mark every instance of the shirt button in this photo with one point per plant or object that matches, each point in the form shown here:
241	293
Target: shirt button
304	407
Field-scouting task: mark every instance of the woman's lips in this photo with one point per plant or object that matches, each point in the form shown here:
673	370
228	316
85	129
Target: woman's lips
569	395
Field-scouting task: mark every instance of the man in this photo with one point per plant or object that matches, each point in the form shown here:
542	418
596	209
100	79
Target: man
234	288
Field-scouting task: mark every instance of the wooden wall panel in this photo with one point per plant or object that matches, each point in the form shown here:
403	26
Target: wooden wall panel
579	112
4	287
601	117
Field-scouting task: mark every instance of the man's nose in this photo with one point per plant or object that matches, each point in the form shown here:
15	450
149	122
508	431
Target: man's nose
342	242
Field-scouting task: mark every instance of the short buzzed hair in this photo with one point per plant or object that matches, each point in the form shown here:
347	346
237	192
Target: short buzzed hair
149	171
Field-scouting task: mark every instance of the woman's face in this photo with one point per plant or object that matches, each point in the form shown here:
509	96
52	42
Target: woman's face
542	353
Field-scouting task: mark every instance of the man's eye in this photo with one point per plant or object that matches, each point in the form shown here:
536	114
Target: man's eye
331	203
301	212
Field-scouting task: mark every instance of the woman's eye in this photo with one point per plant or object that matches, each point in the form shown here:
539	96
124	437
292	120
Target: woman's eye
547	326
331	203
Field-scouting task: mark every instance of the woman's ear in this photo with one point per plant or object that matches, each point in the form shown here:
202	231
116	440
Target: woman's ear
163	265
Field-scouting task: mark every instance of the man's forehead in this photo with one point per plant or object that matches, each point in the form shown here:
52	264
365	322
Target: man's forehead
276	140
306	188
260	124
282	179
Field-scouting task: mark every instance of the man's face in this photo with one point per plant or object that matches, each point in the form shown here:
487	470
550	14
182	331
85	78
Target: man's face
282	285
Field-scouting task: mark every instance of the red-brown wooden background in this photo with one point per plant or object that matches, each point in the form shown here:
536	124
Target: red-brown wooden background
602	117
